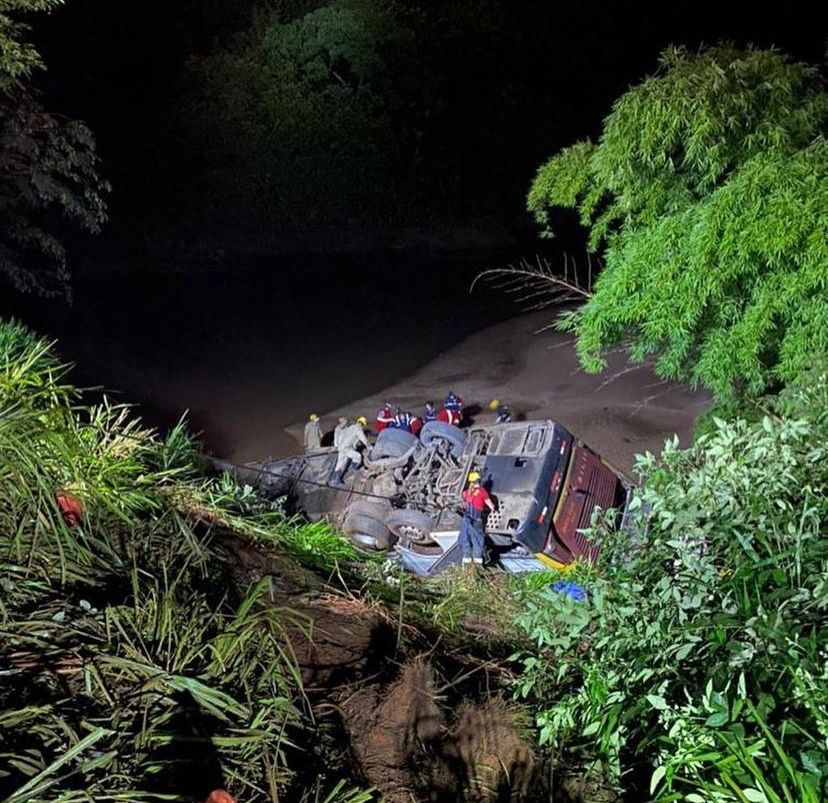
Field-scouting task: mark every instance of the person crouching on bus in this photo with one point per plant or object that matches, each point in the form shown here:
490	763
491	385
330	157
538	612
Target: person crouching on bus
384	417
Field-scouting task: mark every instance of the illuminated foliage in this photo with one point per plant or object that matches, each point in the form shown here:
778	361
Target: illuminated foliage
296	115
48	168
708	193
365	110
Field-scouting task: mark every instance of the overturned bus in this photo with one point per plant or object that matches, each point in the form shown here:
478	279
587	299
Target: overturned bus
407	496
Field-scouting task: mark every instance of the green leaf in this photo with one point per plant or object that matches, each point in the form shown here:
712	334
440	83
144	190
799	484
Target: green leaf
43	780
657	702
717	719
656	778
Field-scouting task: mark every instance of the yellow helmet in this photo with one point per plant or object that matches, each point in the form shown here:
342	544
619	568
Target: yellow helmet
494	404
362	421
313	417
474	476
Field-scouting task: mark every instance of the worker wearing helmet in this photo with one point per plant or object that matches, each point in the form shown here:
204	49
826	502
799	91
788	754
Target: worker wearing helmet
471	538
313	433
347	437
504	414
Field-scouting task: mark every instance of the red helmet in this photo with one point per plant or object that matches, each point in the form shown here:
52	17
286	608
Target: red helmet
220	796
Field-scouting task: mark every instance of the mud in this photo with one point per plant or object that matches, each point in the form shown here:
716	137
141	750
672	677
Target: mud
415	721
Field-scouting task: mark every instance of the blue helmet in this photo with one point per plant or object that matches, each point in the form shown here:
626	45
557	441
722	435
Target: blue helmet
453	401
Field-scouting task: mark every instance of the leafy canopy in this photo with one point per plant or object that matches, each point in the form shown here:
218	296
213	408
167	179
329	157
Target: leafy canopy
18	58
708	192
48	167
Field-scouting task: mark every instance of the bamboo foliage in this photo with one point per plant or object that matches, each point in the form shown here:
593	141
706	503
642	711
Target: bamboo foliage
707	193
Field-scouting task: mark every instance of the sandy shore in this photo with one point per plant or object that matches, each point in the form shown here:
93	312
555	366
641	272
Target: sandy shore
538	376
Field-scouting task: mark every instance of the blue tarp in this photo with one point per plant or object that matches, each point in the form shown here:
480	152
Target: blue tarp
573	590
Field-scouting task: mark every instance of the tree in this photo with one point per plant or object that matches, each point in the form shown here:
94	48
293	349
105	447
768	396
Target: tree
708	194
297	117
48	167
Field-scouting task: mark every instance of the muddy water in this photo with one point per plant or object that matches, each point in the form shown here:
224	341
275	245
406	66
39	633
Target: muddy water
248	349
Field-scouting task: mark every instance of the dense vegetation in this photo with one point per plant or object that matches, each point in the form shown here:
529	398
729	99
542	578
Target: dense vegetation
700	661
354	110
466	99
134	666
707	194
695	670
48	167
138	664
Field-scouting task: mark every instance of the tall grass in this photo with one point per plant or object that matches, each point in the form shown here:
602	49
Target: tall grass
131	666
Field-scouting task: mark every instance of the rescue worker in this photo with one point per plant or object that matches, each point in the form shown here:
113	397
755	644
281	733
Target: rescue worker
346	439
384	417
471	539
447	416
416	425
313	433
430	412
504	414
402	420
453	402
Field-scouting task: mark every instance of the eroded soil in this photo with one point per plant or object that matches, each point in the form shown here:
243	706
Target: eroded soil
412	720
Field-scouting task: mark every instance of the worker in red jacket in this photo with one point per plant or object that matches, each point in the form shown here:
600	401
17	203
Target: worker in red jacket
416	425
471	538
384	417
453	417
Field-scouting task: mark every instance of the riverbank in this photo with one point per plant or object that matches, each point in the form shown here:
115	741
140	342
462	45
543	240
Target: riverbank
623	412
251	350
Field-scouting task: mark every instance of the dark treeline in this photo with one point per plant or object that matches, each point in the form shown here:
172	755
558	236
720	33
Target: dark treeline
228	115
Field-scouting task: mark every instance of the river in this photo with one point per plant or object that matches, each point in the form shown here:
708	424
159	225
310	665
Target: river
249	348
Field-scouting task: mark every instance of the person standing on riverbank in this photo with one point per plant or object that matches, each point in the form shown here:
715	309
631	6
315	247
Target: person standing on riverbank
471	538
313	434
504	414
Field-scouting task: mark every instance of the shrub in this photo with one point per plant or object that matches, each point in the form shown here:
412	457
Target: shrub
702	651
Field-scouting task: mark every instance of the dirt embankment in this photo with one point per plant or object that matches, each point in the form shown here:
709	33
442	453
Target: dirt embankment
416	720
